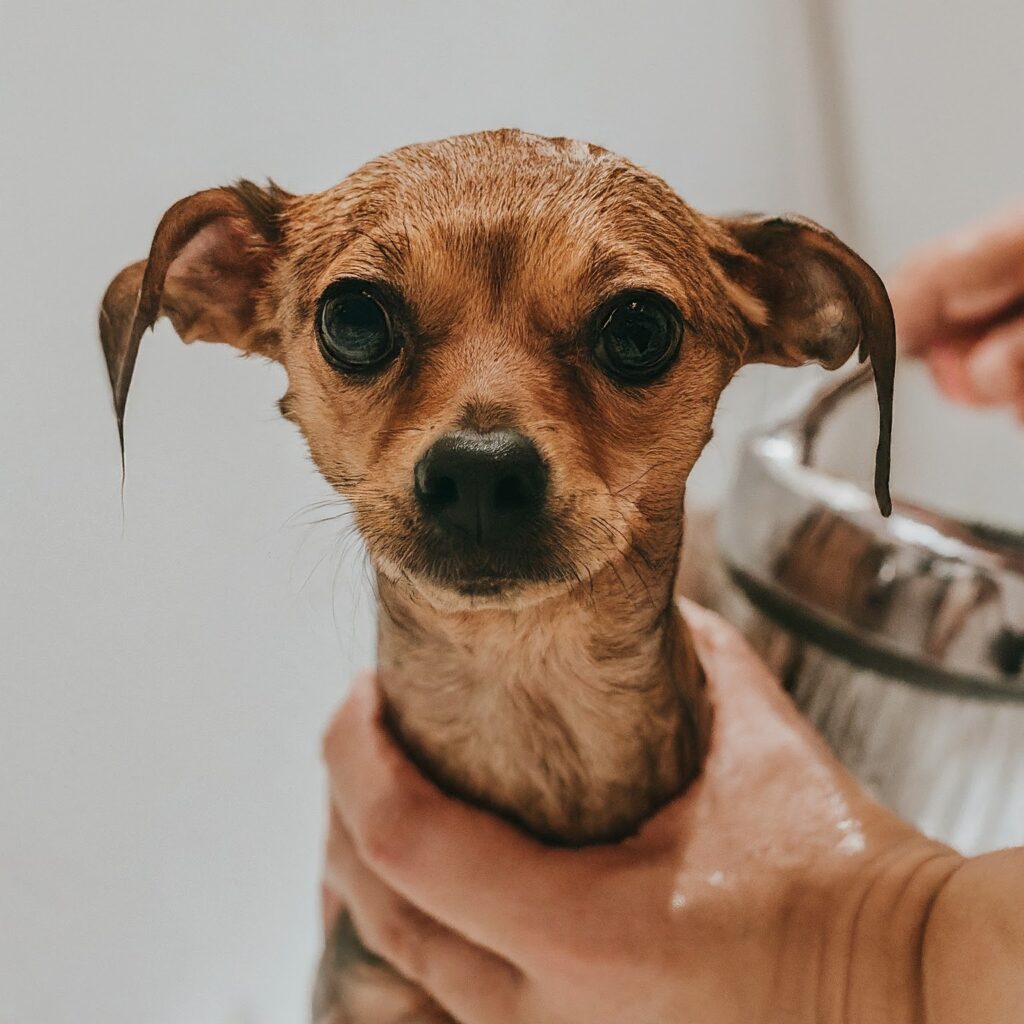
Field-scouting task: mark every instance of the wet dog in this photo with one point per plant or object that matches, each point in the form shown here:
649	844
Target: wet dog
505	351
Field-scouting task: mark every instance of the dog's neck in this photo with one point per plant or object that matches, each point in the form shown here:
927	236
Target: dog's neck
577	717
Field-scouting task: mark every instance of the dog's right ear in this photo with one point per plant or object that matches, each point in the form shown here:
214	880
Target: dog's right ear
211	254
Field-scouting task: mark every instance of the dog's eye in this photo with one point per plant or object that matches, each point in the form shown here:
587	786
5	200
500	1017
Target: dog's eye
637	337
353	328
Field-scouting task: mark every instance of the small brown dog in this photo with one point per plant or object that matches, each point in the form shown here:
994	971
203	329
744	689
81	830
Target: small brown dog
505	351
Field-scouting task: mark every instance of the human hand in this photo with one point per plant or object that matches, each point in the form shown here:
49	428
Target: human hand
773	890
959	304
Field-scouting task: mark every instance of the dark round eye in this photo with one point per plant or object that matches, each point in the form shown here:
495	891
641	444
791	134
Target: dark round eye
637	337
353	328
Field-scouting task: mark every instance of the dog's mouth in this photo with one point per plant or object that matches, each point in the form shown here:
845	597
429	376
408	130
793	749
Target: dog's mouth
507	573
527	566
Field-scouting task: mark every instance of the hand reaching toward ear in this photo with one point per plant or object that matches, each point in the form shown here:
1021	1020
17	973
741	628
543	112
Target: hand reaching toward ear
773	890
959	304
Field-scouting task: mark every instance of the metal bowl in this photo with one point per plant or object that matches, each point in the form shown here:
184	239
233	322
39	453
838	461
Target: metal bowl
902	638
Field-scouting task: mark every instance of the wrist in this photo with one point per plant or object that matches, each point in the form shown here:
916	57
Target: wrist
887	931
871	919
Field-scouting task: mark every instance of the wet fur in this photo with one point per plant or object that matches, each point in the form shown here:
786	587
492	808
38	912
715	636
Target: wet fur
569	699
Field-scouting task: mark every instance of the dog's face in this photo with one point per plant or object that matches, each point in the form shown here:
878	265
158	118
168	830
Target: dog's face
504	350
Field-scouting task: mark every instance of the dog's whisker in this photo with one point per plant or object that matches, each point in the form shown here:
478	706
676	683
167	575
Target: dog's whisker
312	572
325	519
315	506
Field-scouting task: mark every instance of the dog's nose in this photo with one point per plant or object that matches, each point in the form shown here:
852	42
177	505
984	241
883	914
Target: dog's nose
481	486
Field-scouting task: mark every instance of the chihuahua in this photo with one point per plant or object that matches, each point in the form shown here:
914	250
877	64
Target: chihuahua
505	351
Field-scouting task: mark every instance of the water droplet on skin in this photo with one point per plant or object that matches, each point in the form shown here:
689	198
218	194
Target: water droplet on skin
852	843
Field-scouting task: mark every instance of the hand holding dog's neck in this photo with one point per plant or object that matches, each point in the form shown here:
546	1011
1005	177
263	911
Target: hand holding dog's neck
577	716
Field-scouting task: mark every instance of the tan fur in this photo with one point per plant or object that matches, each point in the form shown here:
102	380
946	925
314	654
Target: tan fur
573	717
568	698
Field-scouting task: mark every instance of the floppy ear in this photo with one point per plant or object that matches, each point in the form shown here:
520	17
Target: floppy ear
807	297
210	255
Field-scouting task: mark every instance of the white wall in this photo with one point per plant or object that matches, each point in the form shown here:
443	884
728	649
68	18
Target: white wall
164	681
936	94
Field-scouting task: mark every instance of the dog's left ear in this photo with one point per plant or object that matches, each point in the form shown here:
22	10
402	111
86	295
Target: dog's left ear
211	254
807	297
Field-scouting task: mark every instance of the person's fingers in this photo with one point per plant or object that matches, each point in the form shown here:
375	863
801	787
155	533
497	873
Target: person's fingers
760	734
955	288
995	366
331	887
330	907
984	269
337	861
917	304
468	982
948	366
434	850
987	372
728	658
756	722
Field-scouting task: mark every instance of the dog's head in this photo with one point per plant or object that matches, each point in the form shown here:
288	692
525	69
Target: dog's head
504	350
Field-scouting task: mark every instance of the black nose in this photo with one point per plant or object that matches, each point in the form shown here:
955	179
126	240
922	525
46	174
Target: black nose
481	486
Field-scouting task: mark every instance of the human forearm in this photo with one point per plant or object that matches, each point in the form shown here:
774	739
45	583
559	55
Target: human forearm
973	952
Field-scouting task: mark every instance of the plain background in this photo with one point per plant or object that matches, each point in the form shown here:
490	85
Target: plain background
165	674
